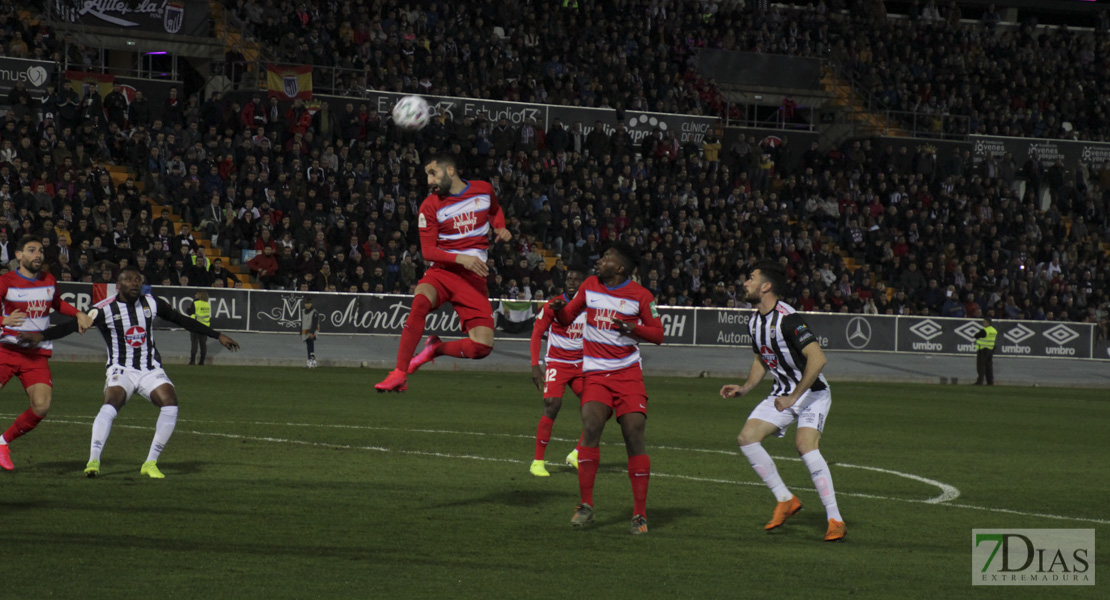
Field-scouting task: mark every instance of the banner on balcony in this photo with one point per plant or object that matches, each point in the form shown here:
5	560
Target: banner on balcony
289	81
173	17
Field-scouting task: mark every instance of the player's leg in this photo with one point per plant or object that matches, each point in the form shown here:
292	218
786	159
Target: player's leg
40	395
594	416
764	421
426	299
470	299
552	405
639	465
203	340
7	371
811	422
164	396
576	385
193	342
115	397
477	345
34	374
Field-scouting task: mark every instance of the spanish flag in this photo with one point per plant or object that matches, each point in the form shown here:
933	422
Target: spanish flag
82	80
289	81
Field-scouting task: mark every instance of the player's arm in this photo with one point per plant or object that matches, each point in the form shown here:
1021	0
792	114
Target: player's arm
57	332
542	324
567	312
650	328
799	337
84	321
497	219
167	312
755	375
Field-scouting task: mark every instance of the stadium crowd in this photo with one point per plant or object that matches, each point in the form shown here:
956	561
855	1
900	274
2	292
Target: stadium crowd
963	77
326	202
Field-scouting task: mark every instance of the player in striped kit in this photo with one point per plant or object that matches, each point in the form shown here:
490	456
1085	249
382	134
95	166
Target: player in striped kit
562	367
455	222
126	321
785	346
619	314
28	295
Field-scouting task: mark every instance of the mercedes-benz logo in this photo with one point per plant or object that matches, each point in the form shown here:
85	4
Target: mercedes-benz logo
858	332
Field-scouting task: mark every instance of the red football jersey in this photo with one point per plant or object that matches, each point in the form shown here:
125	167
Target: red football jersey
458	224
605	348
36	297
564	343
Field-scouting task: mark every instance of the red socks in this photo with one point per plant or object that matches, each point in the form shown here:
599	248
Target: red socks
543	435
588	459
23	424
639	472
413	330
464	348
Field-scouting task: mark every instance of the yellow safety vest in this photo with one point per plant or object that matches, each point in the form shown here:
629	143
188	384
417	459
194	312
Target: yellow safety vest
202	311
988	340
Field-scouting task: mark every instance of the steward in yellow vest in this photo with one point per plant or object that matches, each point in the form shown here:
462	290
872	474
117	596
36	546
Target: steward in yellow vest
984	353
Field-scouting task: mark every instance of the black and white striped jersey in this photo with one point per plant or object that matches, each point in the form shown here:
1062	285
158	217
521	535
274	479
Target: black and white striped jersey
128	330
778	338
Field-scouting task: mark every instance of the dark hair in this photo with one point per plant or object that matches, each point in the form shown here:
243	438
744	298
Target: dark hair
27	239
444	160
773	273
627	254
129	268
578	268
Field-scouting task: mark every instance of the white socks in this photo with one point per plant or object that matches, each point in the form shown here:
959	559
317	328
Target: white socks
102	426
167	419
822	480
765	468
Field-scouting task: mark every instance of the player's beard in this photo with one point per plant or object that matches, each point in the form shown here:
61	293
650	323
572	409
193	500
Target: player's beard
443	186
33	266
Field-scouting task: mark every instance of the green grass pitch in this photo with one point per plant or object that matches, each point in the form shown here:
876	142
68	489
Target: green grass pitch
289	483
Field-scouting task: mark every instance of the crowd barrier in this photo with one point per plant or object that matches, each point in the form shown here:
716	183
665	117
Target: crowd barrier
268	311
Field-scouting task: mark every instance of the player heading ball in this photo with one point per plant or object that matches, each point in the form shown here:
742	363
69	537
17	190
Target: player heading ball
455	222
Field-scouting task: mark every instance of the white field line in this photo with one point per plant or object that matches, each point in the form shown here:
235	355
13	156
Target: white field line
948	492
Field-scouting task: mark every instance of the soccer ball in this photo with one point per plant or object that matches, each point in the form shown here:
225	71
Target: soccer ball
412	113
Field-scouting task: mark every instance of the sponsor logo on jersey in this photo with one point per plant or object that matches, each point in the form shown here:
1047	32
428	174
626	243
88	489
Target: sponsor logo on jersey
465	222
135	336
769	356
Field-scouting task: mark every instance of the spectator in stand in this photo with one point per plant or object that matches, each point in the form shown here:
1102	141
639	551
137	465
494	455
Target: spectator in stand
264	266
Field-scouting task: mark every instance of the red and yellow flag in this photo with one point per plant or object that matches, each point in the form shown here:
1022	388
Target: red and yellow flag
82	80
289	81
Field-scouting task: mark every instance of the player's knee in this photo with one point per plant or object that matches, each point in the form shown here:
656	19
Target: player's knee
746	439
591	429
421	306
477	350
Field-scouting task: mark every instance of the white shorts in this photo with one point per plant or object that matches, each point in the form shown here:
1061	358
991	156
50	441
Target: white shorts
810	411
135	381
